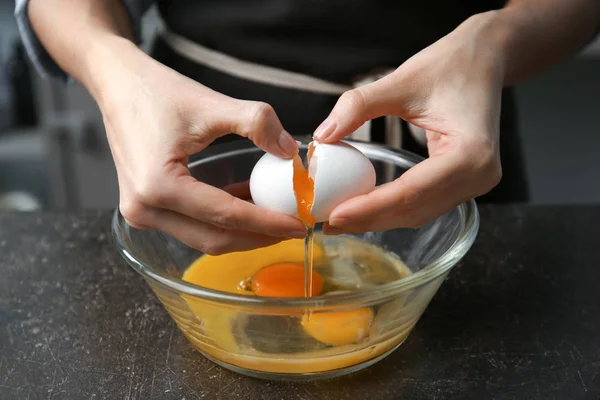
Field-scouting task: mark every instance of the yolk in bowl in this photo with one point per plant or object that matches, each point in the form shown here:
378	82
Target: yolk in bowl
334	339
339	327
228	272
284	280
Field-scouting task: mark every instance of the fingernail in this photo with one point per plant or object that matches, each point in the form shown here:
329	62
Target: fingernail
337	221
325	130
287	144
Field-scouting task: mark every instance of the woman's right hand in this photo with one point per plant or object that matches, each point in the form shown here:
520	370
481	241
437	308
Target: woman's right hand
155	119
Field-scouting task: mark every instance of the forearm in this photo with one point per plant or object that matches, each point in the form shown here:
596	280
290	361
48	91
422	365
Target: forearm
534	34
82	35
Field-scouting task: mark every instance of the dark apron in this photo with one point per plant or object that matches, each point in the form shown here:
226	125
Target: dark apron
301	112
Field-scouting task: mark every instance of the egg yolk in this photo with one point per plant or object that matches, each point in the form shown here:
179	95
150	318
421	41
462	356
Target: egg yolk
304	189
284	280
228	272
340	327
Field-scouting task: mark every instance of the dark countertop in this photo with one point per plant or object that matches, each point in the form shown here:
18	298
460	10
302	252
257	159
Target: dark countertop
518	318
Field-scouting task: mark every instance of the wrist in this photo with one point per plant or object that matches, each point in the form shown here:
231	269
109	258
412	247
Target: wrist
494	34
107	64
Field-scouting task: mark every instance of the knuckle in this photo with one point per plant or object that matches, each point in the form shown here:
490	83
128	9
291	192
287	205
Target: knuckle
218	244
149	192
495	174
260	114
481	153
412	194
412	198
134	212
354	99
226	216
484	162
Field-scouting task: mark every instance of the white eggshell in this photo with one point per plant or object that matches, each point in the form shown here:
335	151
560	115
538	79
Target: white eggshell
272	185
340	172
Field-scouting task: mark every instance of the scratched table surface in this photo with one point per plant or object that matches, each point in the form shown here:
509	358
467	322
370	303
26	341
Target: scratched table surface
519	318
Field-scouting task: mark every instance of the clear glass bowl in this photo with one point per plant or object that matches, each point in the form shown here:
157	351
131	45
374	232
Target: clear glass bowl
208	317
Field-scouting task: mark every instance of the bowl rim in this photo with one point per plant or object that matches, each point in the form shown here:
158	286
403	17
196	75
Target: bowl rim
469	218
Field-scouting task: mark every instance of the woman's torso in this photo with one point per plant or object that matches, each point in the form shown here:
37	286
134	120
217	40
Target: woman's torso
335	40
330	39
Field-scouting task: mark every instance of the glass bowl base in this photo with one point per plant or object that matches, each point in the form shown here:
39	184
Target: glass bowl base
301	377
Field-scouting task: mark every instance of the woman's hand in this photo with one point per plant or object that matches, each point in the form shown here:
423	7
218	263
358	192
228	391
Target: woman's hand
155	119
452	89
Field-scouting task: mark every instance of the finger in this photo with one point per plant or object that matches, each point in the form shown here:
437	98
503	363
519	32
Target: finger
254	120
409	191
426	191
239	189
364	103
205	237
216	207
438	205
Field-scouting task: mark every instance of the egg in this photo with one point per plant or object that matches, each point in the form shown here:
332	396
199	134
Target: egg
284	280
336	172
338	328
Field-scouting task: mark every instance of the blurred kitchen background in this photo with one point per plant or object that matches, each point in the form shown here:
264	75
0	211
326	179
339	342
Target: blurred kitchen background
54	155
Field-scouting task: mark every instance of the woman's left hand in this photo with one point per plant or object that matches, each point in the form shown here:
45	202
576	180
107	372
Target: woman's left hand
452	89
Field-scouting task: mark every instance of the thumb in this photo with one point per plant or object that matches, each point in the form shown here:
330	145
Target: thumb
258	122
356	106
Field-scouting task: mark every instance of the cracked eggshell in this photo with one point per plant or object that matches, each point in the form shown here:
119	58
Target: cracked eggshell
272	185
340	172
